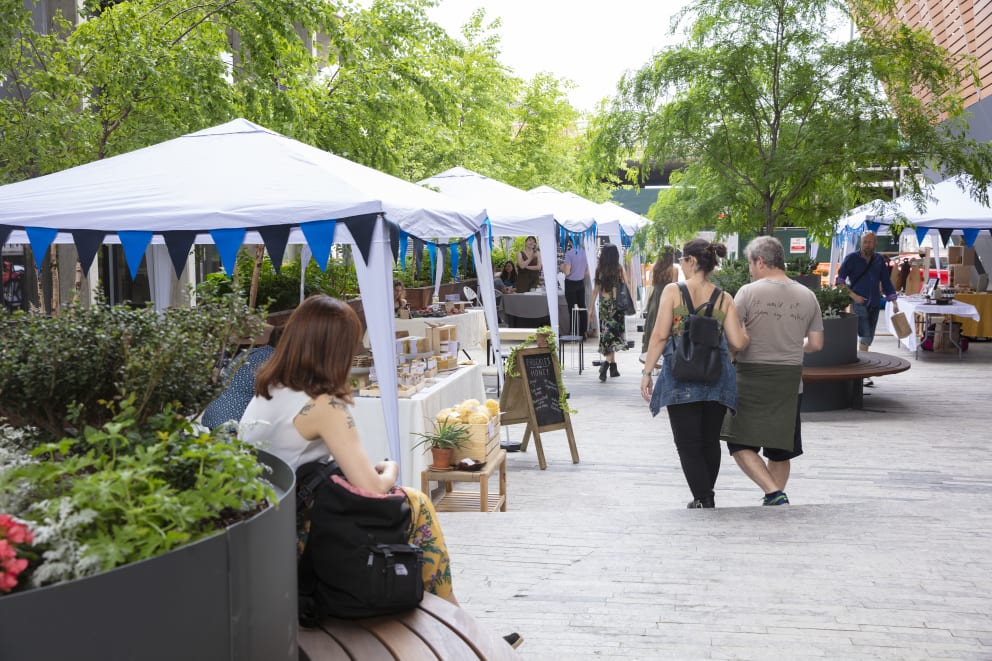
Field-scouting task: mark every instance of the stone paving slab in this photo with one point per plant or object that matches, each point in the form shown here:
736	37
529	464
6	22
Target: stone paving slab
885	553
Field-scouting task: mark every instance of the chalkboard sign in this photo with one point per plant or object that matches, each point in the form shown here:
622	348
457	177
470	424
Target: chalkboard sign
541	374
533	397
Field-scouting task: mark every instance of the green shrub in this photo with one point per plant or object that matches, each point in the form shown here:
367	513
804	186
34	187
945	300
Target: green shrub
56	371
832	300
731	275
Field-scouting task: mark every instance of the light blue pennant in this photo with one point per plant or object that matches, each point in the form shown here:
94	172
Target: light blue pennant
455	257
40	238
320	237
432	253
404	239
134	243
228	242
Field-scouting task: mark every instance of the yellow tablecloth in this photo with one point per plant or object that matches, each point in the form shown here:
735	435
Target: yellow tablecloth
415	414
982	303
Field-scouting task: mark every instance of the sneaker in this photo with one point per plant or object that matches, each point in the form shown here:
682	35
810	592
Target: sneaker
514	639
868	383
695	504
778	499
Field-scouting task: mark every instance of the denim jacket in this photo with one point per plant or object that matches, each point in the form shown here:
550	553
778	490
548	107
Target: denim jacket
668	390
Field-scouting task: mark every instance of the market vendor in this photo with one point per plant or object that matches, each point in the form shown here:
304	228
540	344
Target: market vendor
399	297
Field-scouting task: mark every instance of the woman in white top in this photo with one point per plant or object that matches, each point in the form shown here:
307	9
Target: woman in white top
301	412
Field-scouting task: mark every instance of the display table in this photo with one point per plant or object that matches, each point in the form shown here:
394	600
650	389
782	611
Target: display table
416	413
983	303
470	326
469	501
913	304
524	310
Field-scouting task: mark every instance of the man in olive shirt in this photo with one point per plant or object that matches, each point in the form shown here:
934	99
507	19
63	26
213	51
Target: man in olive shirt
782	318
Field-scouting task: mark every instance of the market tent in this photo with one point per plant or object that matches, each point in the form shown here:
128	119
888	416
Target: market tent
514	212
235	183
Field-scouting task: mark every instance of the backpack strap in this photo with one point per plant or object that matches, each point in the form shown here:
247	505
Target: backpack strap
708	305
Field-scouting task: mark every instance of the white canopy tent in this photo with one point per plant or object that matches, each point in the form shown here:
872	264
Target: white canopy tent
514	212
237	183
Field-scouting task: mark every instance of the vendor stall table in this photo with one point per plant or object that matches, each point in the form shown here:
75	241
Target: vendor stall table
914	304
416	414
525	310
470	327
983	303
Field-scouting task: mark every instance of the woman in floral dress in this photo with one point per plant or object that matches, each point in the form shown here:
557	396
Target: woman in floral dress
612	326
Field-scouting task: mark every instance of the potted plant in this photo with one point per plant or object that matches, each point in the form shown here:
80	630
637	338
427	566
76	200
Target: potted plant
731	275
802	269
128	509
443	441
840	329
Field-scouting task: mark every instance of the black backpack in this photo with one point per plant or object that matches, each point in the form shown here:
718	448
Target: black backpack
697	349
356	561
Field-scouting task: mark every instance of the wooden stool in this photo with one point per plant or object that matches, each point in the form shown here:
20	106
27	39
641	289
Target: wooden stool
466	501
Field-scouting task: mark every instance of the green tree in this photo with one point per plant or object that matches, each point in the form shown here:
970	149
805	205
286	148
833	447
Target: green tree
780	122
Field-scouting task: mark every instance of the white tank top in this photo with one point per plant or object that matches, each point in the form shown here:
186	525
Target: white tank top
268	425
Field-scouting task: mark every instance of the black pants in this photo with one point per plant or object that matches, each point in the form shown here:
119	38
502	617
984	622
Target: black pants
575	294
696	428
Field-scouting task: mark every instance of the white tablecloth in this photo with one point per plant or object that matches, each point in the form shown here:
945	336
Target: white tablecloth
470	327
911	305
416	413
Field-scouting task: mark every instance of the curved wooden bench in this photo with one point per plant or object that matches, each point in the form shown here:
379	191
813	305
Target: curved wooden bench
437	629
842	386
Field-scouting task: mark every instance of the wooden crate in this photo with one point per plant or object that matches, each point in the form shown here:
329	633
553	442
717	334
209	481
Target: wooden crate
484	439
441	333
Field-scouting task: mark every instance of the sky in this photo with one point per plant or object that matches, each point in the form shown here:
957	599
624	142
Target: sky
590	43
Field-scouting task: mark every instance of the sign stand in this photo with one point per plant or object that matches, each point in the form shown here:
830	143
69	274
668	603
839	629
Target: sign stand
533	398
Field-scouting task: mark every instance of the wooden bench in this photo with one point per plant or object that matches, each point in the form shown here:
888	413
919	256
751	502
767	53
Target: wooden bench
842	386
437	629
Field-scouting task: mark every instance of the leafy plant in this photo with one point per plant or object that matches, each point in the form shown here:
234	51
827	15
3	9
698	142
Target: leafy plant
446	435
731	275
801	265
128	490
55	371
832	300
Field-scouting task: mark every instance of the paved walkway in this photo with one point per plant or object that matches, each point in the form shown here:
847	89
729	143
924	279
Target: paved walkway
885	553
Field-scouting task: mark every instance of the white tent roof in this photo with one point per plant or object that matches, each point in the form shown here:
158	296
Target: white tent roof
236	175
574	213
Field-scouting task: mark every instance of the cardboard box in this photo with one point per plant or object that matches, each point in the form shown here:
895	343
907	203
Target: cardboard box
961	274
484	440
960	255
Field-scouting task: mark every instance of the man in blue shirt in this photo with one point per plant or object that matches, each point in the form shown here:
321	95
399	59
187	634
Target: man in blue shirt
576	270
867	276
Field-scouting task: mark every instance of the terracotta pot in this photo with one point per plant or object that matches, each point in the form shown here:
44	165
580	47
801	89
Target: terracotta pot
442	457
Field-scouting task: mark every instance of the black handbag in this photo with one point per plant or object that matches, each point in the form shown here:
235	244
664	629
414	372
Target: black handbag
697	349
624	301
356	561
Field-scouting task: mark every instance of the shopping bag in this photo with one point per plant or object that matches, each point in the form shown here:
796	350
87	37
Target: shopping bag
899	322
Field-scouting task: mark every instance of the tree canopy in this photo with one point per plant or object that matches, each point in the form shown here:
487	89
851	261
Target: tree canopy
381	85
782	123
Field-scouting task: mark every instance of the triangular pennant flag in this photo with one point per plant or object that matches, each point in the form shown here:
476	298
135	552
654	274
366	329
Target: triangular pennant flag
362	229
5	231
394	239
179	243
432	253
134	243
40	238
275	239
87	242
921	233
872	225
228	242
418	254
970	235
455	257
320	238
404	238
945	234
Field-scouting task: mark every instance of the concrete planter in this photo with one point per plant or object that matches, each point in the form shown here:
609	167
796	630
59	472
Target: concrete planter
231	596
840	347
808	280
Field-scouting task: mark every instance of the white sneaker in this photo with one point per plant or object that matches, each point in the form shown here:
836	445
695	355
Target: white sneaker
862	346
